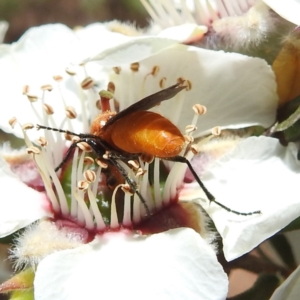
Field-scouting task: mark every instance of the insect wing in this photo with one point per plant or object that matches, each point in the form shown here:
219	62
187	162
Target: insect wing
147	102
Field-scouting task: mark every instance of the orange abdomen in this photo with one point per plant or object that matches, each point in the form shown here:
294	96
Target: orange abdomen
145	132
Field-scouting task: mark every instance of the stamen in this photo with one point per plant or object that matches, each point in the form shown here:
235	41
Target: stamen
48	109
135	67
162	83
58	78
111	87
140	172
188	84
90	176
190	128
101	163
87	217
70	112
134	164
47	87
113	210
88	160
87	83
216	131
27	126
195	149
85	147
155	70
199	109
156	184
33	150
70	72
25	90
74	205
117	70
126	189
188	139
100	224
42	141
12	122
32	98
82	185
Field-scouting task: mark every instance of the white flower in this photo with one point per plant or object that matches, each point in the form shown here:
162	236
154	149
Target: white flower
242	26
233	98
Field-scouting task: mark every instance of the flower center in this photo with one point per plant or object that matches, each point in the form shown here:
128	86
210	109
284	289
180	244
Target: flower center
105	186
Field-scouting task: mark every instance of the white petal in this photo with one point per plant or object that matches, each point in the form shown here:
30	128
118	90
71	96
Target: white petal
290	289
20	205
259	174
176	264
234	98
133	50
288	9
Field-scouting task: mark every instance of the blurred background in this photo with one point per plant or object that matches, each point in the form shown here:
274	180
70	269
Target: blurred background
24	14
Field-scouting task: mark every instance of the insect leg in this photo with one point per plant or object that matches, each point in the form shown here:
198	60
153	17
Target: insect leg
100	150
210	197
132	184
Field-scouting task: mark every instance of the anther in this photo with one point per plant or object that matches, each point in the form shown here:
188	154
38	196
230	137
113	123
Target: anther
48	109
47	87
188	139
90	176
117	70
188	84
32	98
184	83
42	141
140	172
199	109
134	164
70	72
58	78
195	149
155	70
111	87
162	83
82	185
135	67
126	189
12	122
88	160
25	90
190	128
101	163
84	147
33	150
87	83
216	131
70	112
68	136
27	126
74	139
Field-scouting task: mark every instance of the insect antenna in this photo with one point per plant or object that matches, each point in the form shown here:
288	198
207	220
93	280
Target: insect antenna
210	197
57	129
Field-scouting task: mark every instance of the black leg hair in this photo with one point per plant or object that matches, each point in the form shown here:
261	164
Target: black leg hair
210	197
